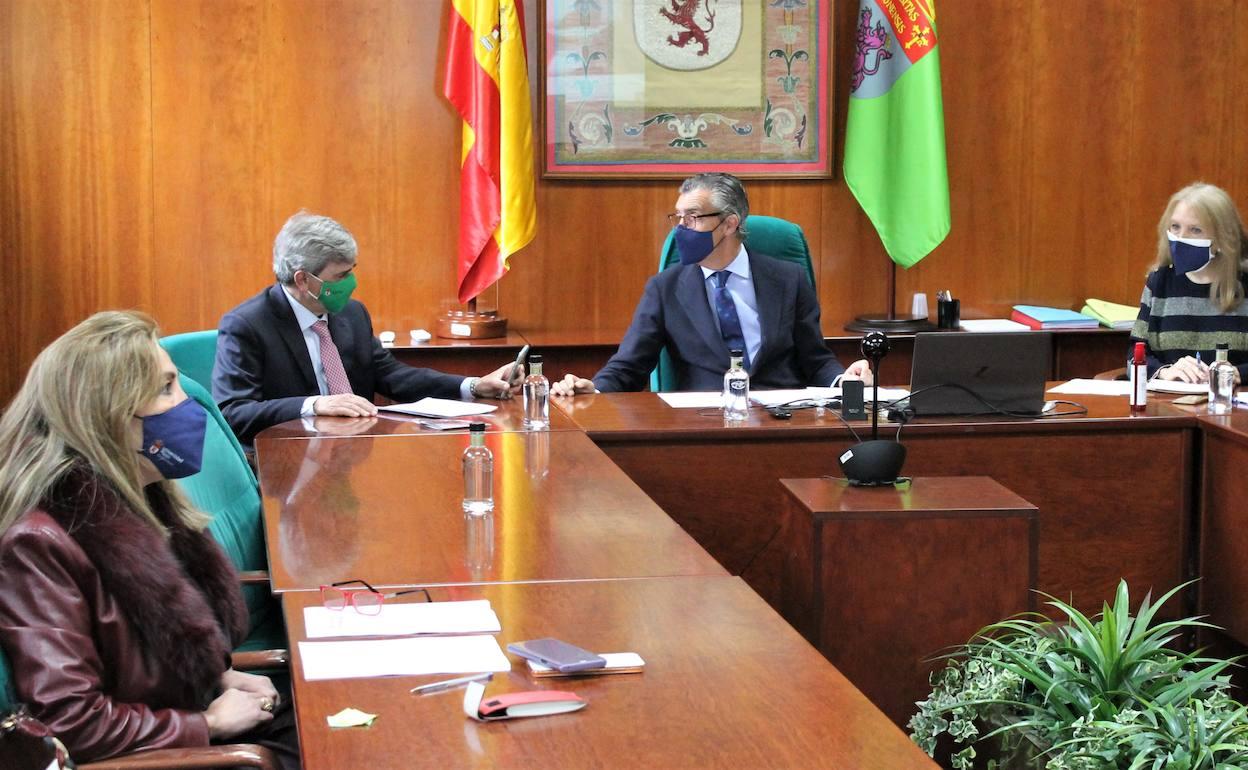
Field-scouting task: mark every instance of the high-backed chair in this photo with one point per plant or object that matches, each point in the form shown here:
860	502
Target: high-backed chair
772	236
193	353
226	489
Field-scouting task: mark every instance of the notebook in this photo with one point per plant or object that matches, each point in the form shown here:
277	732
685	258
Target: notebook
1038	317
1008	370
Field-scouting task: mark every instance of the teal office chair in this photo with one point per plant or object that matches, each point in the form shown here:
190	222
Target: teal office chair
772	236
193	354
226	489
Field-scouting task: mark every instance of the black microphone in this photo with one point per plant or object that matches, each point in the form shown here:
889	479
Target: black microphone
874	347
875	462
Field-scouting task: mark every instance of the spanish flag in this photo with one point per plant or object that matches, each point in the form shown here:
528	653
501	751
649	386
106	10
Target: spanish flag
487	80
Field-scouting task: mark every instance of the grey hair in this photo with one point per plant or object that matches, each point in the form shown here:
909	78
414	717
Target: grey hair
309	242
727	195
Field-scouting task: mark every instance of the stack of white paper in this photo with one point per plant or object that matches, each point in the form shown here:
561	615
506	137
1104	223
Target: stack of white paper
440	407
471	617
402	657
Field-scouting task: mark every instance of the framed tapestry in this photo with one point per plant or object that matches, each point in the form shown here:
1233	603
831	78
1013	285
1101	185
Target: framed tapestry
667	88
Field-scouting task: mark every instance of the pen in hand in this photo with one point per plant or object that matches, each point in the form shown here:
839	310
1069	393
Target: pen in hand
450	684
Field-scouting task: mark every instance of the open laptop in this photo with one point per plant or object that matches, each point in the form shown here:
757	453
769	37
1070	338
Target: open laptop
1006	369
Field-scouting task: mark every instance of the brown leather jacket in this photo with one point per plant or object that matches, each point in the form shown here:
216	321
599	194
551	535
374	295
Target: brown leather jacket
79	659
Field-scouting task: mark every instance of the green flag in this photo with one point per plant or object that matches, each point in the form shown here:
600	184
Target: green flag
895	134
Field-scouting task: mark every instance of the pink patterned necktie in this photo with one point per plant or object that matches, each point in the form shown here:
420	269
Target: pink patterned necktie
331	362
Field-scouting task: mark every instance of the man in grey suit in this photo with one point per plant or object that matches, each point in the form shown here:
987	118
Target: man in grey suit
303	347
722	296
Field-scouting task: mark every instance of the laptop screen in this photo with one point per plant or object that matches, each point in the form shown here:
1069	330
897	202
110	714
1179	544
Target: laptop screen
957	372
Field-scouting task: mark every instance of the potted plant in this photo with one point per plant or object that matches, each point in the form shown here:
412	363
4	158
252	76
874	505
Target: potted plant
1085	694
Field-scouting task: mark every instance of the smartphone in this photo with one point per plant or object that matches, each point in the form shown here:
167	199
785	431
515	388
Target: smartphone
521	357
560	656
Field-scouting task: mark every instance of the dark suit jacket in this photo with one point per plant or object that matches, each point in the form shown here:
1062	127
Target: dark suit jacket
674	312
263	373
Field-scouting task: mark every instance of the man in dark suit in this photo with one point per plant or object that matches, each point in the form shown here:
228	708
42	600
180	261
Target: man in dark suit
722	296
303	347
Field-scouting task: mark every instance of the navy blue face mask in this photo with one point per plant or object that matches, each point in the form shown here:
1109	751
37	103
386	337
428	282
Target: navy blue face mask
1189	254
693	246
174	440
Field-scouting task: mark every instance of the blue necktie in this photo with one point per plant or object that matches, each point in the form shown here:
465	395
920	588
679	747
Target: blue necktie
729	323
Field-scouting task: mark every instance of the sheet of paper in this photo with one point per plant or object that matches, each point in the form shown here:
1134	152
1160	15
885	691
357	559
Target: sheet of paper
776	397
1175	386
992	325
1094	387
440	407
472	617
693	400
402	657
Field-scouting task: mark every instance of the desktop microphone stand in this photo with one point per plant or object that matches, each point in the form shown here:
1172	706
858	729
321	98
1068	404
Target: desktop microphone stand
877	462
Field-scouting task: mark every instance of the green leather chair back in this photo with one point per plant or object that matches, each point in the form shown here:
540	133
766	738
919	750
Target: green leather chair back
193	353
8	698
772	236
226	489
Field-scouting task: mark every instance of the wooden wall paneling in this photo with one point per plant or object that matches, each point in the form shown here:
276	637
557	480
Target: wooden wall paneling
211	119
1237	86
76	185
354	90
1183	101
1079	89
597	243
986	80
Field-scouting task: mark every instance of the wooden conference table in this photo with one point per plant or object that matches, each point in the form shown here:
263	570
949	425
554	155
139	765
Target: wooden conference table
1116	491
726	681
575	550
1116	494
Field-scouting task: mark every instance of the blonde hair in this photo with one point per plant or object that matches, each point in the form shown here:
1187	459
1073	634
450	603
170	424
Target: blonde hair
76	406
1224	227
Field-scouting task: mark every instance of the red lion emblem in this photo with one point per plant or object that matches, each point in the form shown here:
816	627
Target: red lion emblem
682	15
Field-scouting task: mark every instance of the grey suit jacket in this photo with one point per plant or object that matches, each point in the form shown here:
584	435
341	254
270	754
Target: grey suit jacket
674	312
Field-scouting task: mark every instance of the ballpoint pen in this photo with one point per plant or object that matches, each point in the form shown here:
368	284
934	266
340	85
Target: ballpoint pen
432	687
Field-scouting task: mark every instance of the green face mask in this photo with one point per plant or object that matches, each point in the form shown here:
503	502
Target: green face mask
334	294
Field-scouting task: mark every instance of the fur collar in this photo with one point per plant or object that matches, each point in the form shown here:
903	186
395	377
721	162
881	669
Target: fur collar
181	593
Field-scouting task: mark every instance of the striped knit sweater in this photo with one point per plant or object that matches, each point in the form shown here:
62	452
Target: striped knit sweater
1178	319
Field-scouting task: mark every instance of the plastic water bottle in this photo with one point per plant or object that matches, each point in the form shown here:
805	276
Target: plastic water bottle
536	396
736	397
478	473
1221	382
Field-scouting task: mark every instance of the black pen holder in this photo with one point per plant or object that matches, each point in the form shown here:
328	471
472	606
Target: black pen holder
949	313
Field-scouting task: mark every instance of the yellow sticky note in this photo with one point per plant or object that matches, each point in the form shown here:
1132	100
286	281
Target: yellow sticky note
350	718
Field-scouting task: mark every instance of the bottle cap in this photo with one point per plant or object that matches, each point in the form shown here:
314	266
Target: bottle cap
1222	346
1138	357
535	358
736	353
477	427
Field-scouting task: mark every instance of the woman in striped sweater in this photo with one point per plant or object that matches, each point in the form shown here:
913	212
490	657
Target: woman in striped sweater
1194	295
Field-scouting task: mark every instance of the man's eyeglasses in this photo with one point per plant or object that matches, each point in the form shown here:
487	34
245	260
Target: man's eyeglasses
366	600
690	220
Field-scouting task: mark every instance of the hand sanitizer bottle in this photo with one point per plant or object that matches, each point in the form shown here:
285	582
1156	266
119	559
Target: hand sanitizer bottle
536	396
736	388
478	473
1221	382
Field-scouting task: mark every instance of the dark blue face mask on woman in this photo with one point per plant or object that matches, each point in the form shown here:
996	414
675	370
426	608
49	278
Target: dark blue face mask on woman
693	246
174	440
1189	254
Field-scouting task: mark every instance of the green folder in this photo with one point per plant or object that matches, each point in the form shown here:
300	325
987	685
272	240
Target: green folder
1111	314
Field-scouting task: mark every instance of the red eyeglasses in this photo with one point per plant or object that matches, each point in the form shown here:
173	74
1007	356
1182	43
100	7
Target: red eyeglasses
366	600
